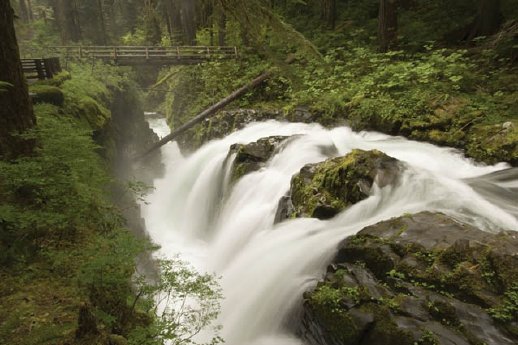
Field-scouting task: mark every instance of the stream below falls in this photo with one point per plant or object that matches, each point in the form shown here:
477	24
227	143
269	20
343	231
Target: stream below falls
265	268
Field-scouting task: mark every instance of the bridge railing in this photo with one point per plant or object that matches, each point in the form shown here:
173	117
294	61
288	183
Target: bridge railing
147	52
41	68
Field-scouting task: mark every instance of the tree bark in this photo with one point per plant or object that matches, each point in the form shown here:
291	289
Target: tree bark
24	13
387	24
329	12
222	29
100	13
188	16
489	19
29	10
16	114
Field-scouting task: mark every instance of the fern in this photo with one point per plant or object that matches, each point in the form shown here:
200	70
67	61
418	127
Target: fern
5	85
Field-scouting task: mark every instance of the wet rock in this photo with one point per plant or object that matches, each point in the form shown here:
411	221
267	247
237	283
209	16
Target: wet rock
284	209
252	157
417	279
324	189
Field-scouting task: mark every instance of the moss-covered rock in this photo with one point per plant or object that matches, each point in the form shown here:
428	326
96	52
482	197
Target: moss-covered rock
47	94
324	189
251	157
420	279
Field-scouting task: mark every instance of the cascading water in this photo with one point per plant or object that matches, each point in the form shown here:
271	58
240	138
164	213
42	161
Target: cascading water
265	268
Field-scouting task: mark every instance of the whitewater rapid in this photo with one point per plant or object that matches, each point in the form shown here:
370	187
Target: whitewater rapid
265	268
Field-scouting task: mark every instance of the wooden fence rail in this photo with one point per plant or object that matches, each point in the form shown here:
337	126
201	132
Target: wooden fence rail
130	55
41	68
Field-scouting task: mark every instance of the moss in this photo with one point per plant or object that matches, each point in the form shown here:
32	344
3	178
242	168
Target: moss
324	301
385	331
47	94
444	313
89	110
333	184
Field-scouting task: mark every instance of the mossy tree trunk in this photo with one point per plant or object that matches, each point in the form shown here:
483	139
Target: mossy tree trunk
16	114
387	24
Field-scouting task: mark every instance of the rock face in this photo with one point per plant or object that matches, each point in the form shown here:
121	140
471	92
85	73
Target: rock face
419	279
324	189
252	157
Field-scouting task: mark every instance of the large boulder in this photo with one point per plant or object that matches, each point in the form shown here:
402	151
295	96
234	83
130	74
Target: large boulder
253	156
324	189
417	279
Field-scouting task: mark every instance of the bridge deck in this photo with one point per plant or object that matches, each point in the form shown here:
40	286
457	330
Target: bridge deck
135	55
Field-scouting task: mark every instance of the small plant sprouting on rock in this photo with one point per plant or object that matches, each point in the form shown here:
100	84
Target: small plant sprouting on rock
508	310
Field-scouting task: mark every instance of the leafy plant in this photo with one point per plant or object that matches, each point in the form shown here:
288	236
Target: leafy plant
186	303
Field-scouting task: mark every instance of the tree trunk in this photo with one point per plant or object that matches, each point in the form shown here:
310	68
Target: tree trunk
29	10
209	111
24	13
102	27
188	16
16	115
329	12
222	29
489	19
387	24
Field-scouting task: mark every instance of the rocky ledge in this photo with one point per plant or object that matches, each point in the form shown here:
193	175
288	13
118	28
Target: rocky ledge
253	156
417	279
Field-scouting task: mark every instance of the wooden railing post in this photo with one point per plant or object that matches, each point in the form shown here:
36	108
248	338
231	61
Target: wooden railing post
178	52
147	53
80	52
39	69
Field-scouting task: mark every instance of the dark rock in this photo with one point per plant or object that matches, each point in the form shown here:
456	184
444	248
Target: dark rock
253	156
284	209
420	279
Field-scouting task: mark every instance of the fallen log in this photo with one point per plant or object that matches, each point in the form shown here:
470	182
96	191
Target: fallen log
208	112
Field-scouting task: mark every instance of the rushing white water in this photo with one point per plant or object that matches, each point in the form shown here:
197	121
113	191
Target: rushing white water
266	268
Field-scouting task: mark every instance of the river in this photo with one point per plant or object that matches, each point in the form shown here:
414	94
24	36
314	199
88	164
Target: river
265	268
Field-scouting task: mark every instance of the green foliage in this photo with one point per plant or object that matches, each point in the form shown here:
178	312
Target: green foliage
194	88
47	94
507	311
4	86
50	195
185	302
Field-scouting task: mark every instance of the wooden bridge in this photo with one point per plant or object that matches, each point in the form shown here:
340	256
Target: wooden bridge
40	68
142	55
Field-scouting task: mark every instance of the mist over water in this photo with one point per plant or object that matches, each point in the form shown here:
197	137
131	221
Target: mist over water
265	268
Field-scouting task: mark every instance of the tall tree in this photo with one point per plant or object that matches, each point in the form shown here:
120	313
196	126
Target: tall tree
66	19
29	10
489	19
24	13
329	12
188	17
16	115
387	24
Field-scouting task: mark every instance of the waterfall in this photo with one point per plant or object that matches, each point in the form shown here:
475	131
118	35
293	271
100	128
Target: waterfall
265	268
